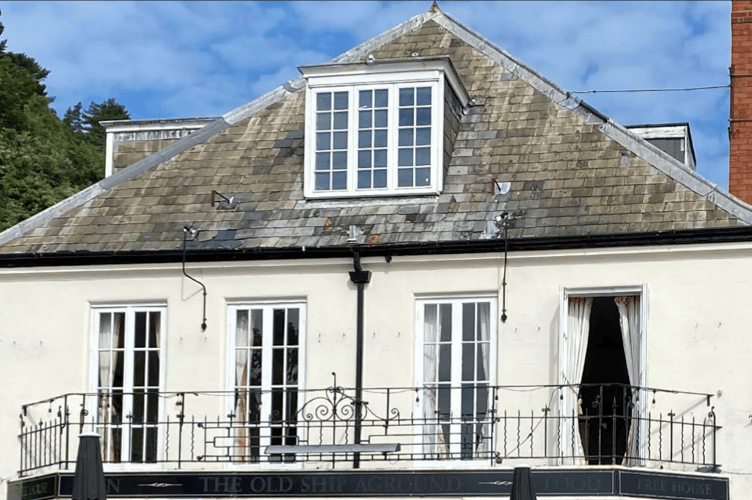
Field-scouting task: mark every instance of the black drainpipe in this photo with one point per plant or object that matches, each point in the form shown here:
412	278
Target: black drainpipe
360	278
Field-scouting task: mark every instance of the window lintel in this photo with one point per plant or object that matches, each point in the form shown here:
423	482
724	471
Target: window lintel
386	70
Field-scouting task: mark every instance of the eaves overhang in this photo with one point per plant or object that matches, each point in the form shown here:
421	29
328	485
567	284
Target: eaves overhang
457	247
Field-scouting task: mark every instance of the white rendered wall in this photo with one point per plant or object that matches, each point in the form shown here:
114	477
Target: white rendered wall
698	325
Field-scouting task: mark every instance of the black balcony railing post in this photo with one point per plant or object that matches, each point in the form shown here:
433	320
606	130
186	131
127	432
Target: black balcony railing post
711	414
67	430
671	415
181	417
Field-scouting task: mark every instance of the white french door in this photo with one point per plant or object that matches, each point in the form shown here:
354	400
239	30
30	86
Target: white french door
128	381
456	369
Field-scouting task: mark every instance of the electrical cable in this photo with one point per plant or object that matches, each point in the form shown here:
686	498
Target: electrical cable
649	90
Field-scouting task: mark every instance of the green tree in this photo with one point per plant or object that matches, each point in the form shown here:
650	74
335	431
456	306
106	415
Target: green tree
98	112
73	119
44	159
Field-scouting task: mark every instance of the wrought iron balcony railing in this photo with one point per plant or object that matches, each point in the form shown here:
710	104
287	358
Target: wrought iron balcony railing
608	424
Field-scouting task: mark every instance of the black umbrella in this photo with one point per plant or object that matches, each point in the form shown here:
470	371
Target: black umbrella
88	480
522	485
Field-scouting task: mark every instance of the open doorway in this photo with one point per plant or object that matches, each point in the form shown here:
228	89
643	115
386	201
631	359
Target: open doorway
605	398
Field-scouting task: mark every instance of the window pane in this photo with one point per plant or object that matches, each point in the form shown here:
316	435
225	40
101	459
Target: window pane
379	138
323	141
422	176
139	334
292	367
153	367
278	365
278	327
322	161
323	101
340	140
423	156
340	120
364	139
468	361
445	322
323	121
137	443
468	321
139	368
339	180
322	181
405	177
430	312
379	178
406	97
152	406
379	158
423	116
380	118
405	158
256	366
406	137
364	179
424	96
445	362
154	329
339	160
364	119
256	326
293	318
481	369
382	98
138	406
365	99
423	136
364	159
406	117
445	407
340	100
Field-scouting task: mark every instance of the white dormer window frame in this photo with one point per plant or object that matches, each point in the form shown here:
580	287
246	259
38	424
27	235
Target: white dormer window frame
376	129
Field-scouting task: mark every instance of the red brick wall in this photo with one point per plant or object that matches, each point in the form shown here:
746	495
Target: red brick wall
740	127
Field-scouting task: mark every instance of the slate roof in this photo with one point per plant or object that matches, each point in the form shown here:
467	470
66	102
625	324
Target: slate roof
572	171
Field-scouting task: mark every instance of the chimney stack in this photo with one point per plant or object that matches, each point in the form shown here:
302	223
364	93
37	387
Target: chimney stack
740	119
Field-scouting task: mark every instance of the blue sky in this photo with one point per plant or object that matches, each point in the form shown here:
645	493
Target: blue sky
184	59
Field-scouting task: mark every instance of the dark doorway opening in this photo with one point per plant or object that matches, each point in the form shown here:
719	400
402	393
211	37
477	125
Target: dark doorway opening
605	396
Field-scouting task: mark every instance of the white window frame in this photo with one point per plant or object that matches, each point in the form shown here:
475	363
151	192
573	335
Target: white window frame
128	361
456	354
433	73
267	306
565	405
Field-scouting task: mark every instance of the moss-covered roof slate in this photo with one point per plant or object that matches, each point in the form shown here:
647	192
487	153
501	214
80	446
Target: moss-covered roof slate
571	173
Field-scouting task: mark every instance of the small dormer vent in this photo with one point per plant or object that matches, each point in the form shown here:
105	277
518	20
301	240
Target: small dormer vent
673	139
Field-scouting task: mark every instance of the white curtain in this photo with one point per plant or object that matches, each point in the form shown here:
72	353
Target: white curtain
110	334
575	342
433	438
242	340
105	379
629	320
484	339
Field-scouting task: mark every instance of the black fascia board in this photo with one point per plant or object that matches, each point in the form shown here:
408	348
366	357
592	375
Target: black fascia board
550	243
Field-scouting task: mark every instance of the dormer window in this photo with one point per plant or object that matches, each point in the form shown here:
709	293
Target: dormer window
377	129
